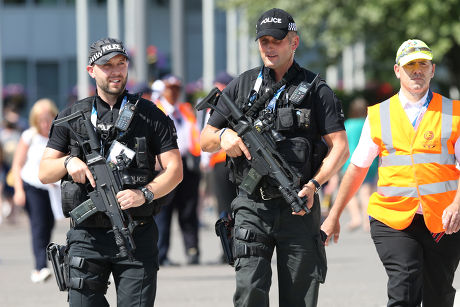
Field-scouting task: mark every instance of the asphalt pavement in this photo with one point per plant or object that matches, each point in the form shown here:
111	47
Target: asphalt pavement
355	275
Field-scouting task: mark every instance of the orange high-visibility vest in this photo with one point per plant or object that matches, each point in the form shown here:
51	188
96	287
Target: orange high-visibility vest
217	157
415	166
187	112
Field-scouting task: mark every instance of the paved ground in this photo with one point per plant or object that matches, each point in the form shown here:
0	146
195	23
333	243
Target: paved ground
355	275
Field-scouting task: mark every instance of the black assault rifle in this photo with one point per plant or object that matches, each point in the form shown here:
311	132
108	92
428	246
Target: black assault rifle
108	184
265	160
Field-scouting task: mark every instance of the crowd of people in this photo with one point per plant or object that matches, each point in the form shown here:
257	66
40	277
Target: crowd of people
413	203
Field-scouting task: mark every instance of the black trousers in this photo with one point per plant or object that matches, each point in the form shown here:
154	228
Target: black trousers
300	252
419	269
185	201
135	281
224	189
38	207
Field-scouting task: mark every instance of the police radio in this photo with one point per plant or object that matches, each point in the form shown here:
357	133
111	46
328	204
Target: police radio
126	116
302	90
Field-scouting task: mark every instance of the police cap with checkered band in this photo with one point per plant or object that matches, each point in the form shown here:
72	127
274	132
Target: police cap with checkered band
276	23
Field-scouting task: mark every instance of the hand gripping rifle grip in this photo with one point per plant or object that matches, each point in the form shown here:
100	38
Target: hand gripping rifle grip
297	204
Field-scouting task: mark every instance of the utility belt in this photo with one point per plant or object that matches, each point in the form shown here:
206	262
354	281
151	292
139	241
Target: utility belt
265	190
100	220
262	193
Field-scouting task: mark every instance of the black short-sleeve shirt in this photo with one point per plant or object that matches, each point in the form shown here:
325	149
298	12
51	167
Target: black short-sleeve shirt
327	108
158	129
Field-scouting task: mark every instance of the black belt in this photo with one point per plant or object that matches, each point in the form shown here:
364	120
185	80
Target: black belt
100	220
263	193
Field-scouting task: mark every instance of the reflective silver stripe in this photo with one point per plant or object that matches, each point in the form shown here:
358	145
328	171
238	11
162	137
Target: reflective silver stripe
399	160
398	191
425	189
447	116
438	187
385	123
442	158
394	160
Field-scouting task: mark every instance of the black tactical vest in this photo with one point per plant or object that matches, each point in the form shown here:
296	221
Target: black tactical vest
299	143
139	173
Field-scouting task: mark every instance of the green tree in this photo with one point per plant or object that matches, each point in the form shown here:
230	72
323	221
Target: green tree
383	24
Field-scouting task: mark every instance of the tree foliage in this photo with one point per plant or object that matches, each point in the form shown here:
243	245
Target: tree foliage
383	24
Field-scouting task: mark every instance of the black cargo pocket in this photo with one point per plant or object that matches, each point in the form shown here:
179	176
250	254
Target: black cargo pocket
297	152
72	195
285	119
321	268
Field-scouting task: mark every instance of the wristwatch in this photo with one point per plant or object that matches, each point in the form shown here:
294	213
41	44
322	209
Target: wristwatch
147	194
317	185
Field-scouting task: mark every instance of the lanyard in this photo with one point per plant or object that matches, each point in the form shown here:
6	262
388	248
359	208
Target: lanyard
272	104
94	111
256	86
94	118
423	109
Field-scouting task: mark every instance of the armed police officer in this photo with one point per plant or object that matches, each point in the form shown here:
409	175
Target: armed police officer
145	138
304	120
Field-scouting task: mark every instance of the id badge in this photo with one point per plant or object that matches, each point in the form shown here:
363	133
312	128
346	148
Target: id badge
119	151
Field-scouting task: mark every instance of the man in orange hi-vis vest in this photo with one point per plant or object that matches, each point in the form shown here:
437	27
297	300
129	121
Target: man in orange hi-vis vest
414	215
185	199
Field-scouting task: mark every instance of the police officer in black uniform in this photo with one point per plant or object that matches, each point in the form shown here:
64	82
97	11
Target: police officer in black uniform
304	122
151	137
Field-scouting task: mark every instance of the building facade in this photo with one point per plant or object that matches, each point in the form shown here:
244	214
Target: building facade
38	42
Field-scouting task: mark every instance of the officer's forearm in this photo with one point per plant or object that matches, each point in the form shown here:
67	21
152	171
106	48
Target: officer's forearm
351	181
210	139
170	176
51	166
336	157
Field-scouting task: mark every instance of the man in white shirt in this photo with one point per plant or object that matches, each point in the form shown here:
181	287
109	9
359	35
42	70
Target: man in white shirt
414	215
185	196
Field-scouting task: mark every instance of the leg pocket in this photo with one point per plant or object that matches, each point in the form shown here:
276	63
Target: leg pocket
321	268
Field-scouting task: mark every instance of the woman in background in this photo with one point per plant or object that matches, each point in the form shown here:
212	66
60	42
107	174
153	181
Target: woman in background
29	192
357	207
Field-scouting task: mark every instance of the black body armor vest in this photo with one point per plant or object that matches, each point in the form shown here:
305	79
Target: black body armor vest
295	130
139	173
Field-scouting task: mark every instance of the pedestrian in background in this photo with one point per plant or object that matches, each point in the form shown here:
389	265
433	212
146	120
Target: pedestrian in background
357	207
143	89
223	189
10	133
2	180
215	171
157	87
264	221
29	192
185	196
415	213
